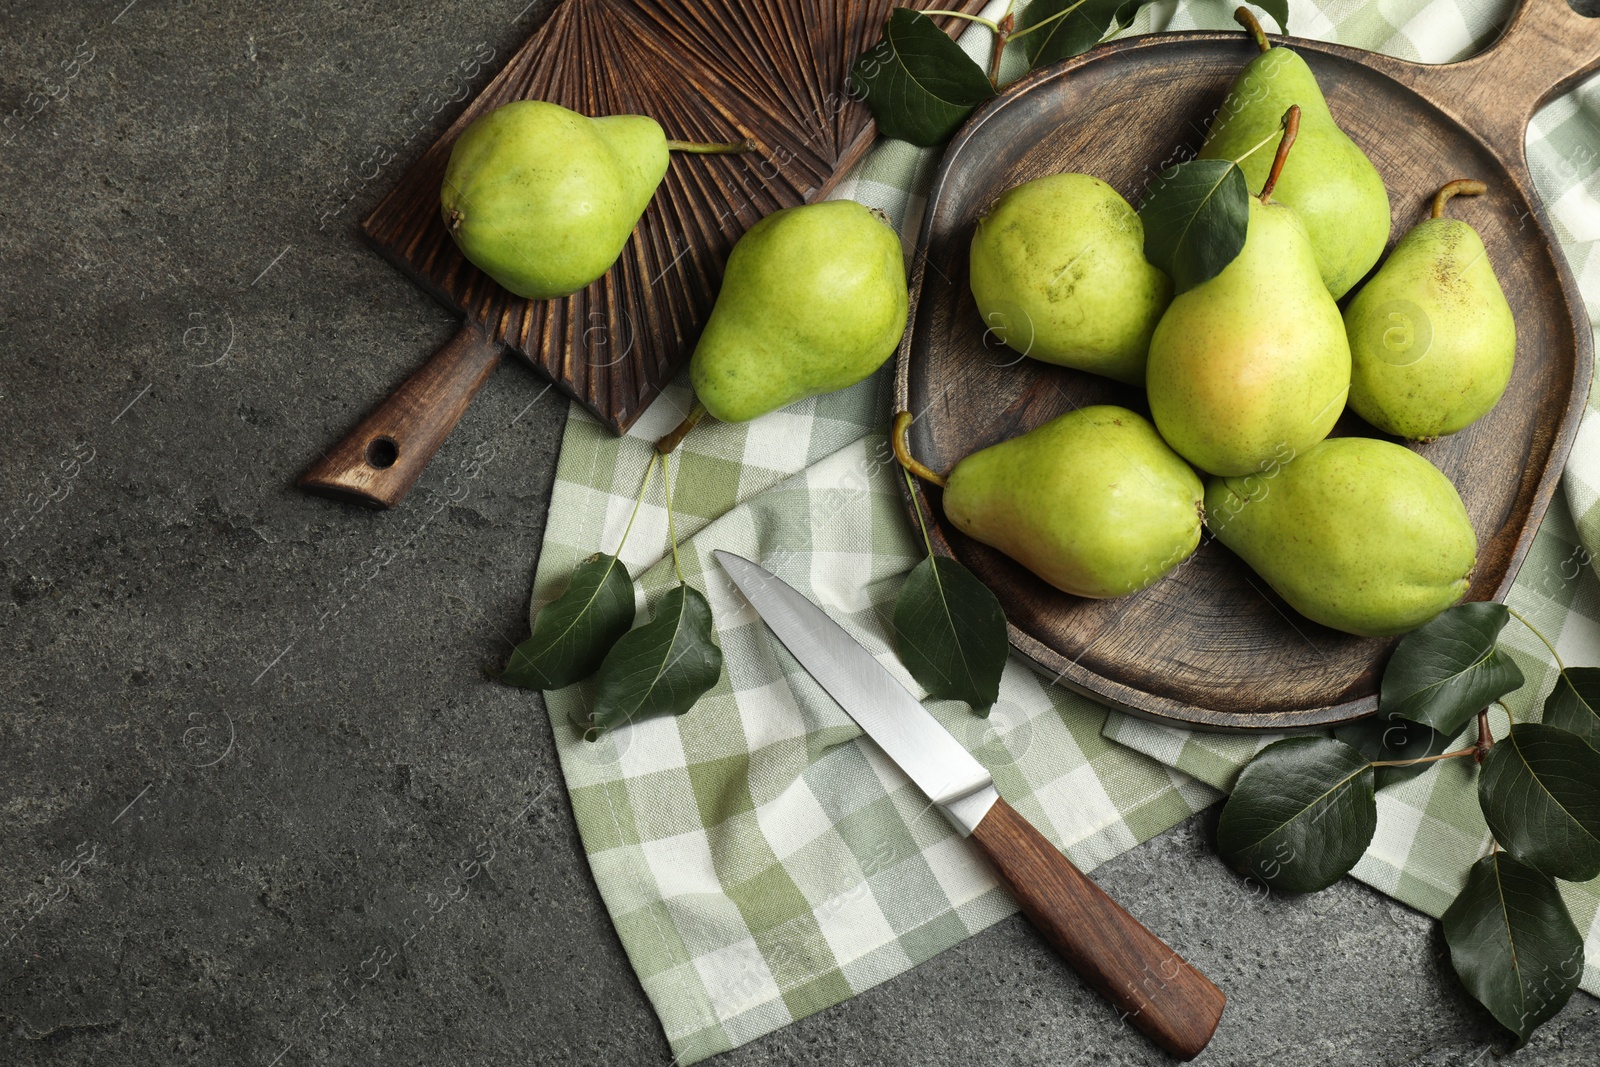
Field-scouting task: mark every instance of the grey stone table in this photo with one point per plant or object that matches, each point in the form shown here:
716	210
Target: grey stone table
246	735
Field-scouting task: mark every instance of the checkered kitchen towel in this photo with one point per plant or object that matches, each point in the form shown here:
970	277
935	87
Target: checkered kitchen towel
759	860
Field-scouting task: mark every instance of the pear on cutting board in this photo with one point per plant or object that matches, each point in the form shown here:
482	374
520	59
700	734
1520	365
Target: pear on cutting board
1251	368
1059	274
1358	534
1432	339
542	199
1093	501
1330	182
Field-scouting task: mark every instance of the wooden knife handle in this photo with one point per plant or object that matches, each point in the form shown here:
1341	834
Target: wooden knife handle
1156	990
379	461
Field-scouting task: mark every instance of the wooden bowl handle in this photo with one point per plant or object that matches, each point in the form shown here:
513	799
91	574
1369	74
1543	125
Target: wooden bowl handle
1156	990
379	461
1545	50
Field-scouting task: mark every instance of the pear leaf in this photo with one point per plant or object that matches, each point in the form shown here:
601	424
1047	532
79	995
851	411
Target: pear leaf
1380	738
918	82
1195	217
1279	10
1540	792
951	633
1074	27
574	631
1449	669
1513	942
1301	814
1574	704
1128	11
662	667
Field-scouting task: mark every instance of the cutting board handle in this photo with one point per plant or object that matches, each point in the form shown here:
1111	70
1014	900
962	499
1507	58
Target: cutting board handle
1156	989
1545	50
379	461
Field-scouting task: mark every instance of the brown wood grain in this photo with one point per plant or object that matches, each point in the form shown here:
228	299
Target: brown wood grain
378	462
1155	989
708	70
771	70
1211	645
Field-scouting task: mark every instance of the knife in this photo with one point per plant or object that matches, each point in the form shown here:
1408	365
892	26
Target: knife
1155	989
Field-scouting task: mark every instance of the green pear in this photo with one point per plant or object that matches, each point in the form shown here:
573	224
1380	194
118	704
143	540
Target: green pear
1059	274
1432	339
1358	534
1330	182
1251	367
813	299
542	199
1093	501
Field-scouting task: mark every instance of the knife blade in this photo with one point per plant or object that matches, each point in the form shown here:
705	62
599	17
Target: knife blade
1156	990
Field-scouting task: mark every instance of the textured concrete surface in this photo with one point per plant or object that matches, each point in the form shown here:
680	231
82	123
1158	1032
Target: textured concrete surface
248	738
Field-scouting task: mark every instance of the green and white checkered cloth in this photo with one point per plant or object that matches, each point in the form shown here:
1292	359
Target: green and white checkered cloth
760	860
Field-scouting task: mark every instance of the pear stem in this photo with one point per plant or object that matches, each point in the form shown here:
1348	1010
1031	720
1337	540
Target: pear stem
1247	18
902	449
1459	187
697	411
720	148
1002	32
1291	130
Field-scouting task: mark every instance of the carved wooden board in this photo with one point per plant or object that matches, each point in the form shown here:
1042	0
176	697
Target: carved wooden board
707	70
1210	644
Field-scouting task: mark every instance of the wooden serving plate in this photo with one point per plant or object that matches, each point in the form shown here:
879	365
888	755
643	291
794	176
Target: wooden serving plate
773	71
1211	645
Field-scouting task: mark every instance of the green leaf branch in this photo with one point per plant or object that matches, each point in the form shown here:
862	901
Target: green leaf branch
573	632
950	630
921	85
1196	214
660	668
1303	812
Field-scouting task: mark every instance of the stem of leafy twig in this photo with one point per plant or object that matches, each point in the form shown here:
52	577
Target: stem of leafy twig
1515	614
1063	13
1002	33
1458	753
915	506
1259	145
672	533
963	15
902	450
644	486
1485	739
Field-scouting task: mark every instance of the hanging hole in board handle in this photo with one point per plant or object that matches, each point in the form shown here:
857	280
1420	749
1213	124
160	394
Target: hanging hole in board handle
382	452
378	462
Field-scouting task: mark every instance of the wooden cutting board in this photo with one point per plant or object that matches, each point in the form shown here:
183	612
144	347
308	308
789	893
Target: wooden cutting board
1210	645
774	71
